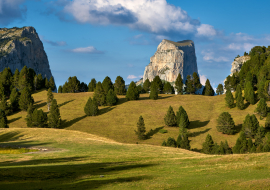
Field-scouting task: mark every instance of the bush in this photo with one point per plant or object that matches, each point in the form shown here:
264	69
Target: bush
250	125
91	107
171	142
225	123
111	98
162	131
132	93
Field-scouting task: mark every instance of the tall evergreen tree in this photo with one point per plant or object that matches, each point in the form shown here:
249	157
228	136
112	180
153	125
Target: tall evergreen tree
208	145
260	135
73	84
16	78
91	107
99	94
4	105
220	89
60	89
185	143
241	144
154	91
2	91
179	84
3	119
267	122
14	100
146	85
29	115
261	89
54	119
250	125
159	83
196	81
225	123
40	82
249	93
92	85
170	119
52	84
35	82
49	98
239	99
168	89
24	79
140	129
107	84
181	111
83	87
132	93
262	108
6	80
111	98
25	99
184	121
39	119
119	86
238	91
229	99
47	83
208	90
189	85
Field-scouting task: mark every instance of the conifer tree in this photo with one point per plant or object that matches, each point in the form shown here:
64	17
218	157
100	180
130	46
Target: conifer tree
140	129
239	99
4	105
47	83
208	145
132	93
229	99
170	119
39	119
16	78
185	143
189	85
83	87
158	82
40	82
262	108
119	86
196	81
171	142
49	98
3	119
2	91
35	82
179	140
6	80
179	84
154	91
227	148
164	143
52	84
253	149
107	84
225	123
99	94
92	85
181	111
267	122
111	98
260	135
250	125
91	107
140	89
24	79
168	89
208	90
60	88
146	85
184	121
249	93
25	99
220	89
29	115
221	150
261	89
14	100
241	144
238	91
250	144
54	119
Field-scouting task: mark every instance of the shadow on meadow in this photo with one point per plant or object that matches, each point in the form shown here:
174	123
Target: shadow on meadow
66	123
37	106
197	124
75	176
64	103
149	134
197	133
14	119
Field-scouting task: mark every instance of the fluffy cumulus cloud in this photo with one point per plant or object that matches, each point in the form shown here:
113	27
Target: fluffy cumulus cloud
203	79
211	56
206	30
87	50
11	10
134	77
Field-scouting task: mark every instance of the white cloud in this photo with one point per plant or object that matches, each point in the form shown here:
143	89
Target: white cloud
53	43
134	77
90	50
206	30
240	46
203	79
210	56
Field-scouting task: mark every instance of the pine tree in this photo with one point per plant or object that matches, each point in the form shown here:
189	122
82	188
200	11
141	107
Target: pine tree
261	90
179	84
179	140
250	144
189	85
4	105
73	84
24	79
92	85
140	129
184	121
40	82
196	81
154	91
2	91
132	93
47	83
225	123
239	99
170	119
168	89
262	108
54	119
91	107
60	88
221	150
171	142
227	148
29	115
146	85
208	90
260	135
238	91
107	84
220	89
39	119
6	80
16	78
140	89
208	145
267	122
111	98
185	143
237	147
99	94
119	86
181	111
49	98
3	119
14	100
253	149
35	82
158	82
241	144
249	93
25	99
164	143
266	148
52	84
250	125
229	99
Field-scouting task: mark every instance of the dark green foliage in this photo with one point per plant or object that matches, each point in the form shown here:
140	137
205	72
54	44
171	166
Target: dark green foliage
132	93
179	141
208	90
249	144
262	108
182	111
168	89
54	119
6	80
249	93
4	106
73	84
99	94
245	54
232	82
49	98
253	149
52	84
39	119
208	145
229	99
16	78
266	148
25	99
179	84
146	85
267	122
250	125
239	99
154	91
171	142
220	89
47	83
111	98
158	82
29	115
60	88
92	85
40	82
196	81
189	85
170	119
2	91
228	150
241	144
24	79
119	86
261	92
260	135
184	122
238	91
140	129
107	84
140	89
185	143
225	123
83	87
91	107
164	143
3	119
14	100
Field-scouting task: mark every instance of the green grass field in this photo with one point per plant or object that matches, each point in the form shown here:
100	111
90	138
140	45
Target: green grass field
101	152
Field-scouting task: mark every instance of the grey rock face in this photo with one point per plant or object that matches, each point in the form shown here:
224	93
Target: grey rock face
170	59
238	63
20	47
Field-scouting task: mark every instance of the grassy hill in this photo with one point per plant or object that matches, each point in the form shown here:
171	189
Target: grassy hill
119	122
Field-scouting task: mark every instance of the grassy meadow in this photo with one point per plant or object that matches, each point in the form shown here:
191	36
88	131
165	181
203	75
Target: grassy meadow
101	152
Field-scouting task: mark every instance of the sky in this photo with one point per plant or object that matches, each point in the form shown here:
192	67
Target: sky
99	38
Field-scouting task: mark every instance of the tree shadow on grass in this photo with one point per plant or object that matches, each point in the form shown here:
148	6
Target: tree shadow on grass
197	124
152	132
10	136
197	133
66	124
159	98
14	119
37	106
238	128
105	110
64	103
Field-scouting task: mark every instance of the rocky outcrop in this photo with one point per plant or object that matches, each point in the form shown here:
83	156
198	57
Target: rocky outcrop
170	59
20	47
238	63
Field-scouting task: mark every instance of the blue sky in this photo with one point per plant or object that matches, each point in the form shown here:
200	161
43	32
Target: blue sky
99	38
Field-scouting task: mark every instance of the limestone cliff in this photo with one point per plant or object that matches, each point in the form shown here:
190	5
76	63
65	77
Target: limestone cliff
170	59
238	63
20	47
